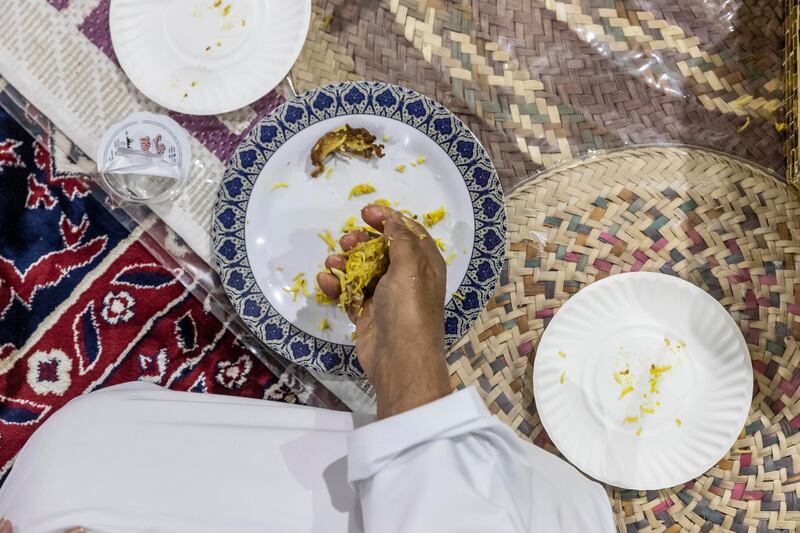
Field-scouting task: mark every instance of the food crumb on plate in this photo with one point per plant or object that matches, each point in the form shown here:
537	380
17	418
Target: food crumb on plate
421	159
385	138
646	410
563	377
408	213
449	259
361	189
324	325
226	10
562	354
434	217
638	432
350	224
328	172
625	391
667	342
280	185
400	168
439	243
678	422
383	201
298	287
326	236
630	420
194	83
655	372
320	297
458	296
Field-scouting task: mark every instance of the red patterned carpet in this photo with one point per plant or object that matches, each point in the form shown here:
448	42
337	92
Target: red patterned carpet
83	305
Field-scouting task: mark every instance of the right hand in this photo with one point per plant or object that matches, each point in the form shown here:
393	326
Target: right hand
400	327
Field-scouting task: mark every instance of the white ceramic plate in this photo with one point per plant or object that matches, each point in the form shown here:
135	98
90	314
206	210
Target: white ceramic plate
655	326
204	57
287	220
263	237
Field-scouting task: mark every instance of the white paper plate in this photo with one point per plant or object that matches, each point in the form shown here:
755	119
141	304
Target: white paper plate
204	57
634	321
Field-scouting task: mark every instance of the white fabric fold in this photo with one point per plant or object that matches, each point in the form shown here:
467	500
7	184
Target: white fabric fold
137	457
452	466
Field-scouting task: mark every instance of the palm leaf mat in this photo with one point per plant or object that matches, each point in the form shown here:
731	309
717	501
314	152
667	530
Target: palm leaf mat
543	81
721	223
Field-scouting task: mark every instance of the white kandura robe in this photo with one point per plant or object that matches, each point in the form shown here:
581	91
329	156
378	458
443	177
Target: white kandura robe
137	457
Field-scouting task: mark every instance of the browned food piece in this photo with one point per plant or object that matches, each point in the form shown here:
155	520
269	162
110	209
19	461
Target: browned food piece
356	141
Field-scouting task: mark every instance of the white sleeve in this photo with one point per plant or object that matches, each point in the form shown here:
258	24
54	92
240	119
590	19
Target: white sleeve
451	466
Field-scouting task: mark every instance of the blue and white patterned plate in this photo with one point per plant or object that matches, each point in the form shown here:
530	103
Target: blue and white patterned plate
269	212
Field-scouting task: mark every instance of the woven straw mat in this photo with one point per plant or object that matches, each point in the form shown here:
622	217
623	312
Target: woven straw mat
723	224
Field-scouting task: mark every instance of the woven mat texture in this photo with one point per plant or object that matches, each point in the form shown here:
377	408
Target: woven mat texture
720	223
540	82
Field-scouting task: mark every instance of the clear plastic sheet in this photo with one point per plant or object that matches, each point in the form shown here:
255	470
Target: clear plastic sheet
170	251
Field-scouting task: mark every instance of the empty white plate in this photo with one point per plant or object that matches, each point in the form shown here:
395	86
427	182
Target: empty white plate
643	381
204	57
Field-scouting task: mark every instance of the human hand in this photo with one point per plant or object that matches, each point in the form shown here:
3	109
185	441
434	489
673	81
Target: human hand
400	327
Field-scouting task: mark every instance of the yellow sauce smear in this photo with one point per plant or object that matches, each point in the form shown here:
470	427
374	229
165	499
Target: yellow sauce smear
625	391
433	218
323	325
630	420
439	243
298	287
563	377
449	258
280	185
366	262
326	236
360	190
